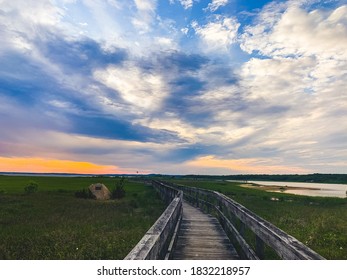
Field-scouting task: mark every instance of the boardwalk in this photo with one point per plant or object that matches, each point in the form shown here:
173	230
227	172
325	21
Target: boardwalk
201	238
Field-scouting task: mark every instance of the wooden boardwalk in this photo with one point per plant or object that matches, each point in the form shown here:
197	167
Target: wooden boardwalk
201	237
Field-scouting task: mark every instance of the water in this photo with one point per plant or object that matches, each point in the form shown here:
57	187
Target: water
310	189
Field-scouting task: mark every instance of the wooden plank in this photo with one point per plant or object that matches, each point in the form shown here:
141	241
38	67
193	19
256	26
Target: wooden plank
286	246
202	237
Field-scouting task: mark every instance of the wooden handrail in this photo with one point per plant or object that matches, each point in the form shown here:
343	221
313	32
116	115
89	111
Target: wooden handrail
158	240
285	245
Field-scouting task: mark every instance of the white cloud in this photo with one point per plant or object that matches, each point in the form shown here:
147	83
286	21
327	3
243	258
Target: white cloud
140	89
145	15
146	5
299	33
278	78
186	3
298	102
292	99
218	35
216	4
165	43
307	56
20	22
103	19
35	12
185	30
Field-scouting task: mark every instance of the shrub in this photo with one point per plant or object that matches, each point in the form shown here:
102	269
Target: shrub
84	194
119	191
32	187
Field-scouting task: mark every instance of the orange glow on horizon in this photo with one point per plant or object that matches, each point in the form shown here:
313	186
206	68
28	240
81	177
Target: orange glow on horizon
249	165
40	165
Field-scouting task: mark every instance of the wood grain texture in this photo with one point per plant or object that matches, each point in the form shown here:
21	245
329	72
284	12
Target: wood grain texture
201	237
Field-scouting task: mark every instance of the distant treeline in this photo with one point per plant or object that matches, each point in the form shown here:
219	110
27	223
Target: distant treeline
313	178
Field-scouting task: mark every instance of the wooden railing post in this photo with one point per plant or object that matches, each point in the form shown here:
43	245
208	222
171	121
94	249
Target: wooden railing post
259	247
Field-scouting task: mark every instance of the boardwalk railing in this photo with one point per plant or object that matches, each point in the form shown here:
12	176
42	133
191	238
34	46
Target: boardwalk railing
237	219
159	240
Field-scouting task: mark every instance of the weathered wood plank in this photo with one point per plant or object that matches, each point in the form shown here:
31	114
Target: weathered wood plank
286	246
201	237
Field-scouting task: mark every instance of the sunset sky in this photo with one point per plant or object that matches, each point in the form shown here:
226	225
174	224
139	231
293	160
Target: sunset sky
173	86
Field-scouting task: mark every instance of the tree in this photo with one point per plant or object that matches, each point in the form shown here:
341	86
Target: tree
119	191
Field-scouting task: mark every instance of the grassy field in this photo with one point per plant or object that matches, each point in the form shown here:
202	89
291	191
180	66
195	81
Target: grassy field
53	224
320	223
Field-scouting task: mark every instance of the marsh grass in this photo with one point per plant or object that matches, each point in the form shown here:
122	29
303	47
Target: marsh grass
53	224
318	222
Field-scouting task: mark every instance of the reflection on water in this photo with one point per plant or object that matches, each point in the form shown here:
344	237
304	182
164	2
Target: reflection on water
310	189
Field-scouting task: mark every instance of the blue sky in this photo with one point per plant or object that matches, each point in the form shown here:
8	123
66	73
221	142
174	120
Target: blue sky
173	86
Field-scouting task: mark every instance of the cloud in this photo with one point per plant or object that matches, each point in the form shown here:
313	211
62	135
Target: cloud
183	62
118	84
292	89
218	35
142	89
36	12
145	16
216	4
186	3
297	32
83	55
247	165
278	78
113	128
127	154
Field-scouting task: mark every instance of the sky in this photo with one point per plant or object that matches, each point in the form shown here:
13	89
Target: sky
173	86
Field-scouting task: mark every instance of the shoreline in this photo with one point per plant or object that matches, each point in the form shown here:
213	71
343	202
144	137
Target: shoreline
275	187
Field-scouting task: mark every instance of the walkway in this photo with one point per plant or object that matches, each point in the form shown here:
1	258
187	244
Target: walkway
201	237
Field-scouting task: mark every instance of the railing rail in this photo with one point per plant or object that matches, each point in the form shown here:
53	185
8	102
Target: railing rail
235	218
160	238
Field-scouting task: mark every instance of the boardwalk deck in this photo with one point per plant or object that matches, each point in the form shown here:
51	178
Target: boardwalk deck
201	237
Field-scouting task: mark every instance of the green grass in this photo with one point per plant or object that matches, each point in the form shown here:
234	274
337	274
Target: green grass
318	222
53	224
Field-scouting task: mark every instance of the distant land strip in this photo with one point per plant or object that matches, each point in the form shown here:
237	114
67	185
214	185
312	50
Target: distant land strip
305	178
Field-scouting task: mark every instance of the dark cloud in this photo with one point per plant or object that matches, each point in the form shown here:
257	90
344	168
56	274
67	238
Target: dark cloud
82	55
182	154
112	128
186	86
24	81
182	100
183	62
